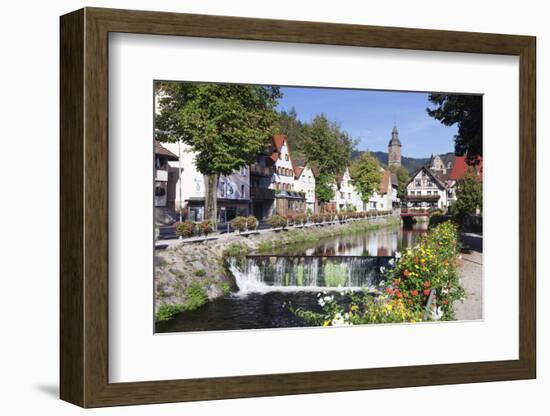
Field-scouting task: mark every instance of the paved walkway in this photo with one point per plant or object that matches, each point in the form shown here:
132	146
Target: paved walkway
471	277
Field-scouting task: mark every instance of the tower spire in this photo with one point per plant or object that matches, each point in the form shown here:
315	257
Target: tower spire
394	148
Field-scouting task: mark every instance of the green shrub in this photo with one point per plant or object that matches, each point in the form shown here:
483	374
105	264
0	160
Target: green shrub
167	312
195	296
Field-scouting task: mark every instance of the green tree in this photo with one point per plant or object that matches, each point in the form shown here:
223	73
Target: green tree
327	147
225	125
289	125
469	195
324	190
402	180
366	175
466	111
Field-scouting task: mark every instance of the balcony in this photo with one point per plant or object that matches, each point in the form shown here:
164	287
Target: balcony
161	175
257	169
261	193
423	198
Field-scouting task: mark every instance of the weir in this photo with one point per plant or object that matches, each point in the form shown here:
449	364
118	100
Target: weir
262	273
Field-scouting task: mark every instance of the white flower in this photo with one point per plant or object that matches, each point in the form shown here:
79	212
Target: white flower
321	302
382	283
382	269
391	262
397	255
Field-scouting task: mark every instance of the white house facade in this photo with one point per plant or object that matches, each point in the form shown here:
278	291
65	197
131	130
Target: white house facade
305	182
346	195
426	191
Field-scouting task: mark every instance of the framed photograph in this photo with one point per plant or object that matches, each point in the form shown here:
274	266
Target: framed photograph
255	207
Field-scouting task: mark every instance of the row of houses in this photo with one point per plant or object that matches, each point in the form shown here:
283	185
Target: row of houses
433	186
274	184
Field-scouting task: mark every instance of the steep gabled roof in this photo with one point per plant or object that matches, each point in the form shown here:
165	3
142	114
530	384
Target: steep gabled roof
385	182
425	169
163	151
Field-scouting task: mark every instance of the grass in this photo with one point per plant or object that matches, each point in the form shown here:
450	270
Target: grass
195	297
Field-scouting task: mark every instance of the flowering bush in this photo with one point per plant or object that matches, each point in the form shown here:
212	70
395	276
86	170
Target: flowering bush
300	218
317	218
239	223
185	228
431	264
276	221
205	227
363	309
327	217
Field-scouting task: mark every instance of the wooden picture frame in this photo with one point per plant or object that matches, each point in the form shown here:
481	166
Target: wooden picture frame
84	207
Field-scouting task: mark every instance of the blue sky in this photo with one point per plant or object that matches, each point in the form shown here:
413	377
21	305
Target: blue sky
370	115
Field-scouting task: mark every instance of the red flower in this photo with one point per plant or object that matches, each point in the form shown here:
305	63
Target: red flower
426	292
399	294
426	283
406	273
414	292
410	302
389	290
444	301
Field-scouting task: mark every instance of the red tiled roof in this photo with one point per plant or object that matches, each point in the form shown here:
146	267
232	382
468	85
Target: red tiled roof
278	142
298	170
385	182
461	166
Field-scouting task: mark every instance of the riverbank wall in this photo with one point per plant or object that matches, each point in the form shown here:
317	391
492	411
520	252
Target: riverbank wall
188	275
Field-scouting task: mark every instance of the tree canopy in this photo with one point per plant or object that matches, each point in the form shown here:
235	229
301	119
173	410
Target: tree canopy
226	125
466	111
289	125
366	175
326	146
402	180
469	194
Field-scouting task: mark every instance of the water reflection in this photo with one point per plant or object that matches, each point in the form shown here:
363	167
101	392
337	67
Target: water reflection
385	242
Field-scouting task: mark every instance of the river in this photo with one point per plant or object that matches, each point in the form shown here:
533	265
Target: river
295	274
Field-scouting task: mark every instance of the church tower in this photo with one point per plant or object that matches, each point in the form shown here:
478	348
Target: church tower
394	149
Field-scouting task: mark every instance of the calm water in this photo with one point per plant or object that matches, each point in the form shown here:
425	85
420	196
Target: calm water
295	274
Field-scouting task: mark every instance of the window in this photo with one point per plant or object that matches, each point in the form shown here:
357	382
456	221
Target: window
222	186
342	195
429	192
286	157
242	191
349	195
159	191
417	183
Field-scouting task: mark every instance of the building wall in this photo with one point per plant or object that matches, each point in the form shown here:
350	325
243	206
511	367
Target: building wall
306	183
346	194
425	185
283	178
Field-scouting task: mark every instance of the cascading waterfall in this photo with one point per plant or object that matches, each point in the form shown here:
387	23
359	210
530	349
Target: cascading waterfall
283	273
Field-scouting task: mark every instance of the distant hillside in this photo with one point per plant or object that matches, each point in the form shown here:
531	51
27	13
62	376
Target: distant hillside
410	163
